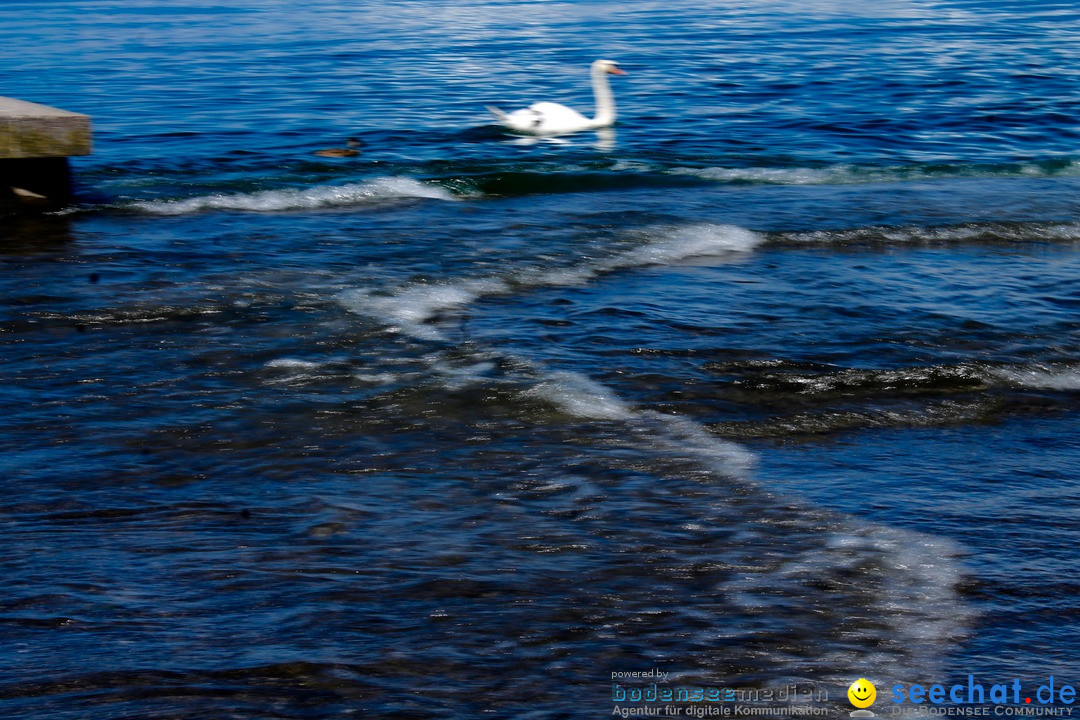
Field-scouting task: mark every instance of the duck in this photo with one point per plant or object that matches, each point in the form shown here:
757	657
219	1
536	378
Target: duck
349	151
548	118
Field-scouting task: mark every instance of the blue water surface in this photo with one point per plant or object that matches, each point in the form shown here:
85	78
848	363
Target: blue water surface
774	382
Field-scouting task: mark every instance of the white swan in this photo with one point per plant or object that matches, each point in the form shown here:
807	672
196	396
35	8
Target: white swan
548	118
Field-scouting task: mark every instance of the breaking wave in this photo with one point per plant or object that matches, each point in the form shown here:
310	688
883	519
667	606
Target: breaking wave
913	397
962	377
915	235
408	308
369	192
848	174
1043	377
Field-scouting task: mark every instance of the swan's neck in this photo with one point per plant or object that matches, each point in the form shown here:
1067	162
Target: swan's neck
605	101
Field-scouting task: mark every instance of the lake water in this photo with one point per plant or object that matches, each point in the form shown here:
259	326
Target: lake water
775	382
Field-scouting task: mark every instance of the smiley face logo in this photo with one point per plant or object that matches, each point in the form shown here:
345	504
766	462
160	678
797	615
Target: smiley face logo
862	693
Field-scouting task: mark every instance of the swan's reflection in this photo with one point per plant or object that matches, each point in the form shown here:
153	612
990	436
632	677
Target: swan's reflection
530	140
605	139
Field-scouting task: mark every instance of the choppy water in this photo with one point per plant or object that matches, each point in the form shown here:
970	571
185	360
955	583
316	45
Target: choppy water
776	382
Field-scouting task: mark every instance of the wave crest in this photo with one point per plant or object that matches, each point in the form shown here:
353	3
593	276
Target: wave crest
408	308
368	192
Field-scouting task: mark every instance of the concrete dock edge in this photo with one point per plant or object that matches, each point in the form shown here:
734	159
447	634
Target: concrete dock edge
35	144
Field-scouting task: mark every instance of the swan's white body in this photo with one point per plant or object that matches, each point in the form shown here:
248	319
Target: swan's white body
548	118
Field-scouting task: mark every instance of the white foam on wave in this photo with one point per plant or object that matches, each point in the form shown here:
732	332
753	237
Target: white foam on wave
898	588
1043	377
848	174
680	435
698	240
900	585
323	196
379	378
1027	232
666	246
455	376
409	308
580	397
903	583
292	371
293	364
772	176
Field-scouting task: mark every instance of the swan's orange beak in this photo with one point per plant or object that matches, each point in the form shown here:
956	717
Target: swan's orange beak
616	71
